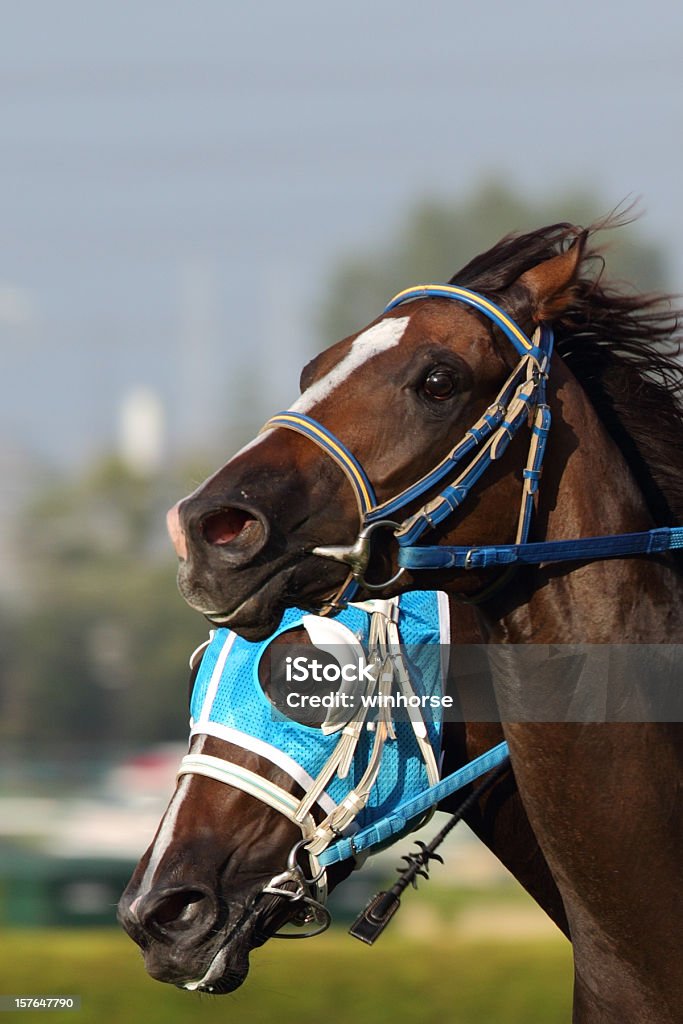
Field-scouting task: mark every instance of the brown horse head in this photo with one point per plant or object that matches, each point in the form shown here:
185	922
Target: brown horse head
397	395
193	904
202	896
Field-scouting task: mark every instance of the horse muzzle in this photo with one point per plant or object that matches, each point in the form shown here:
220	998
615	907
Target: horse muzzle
220	571
186	940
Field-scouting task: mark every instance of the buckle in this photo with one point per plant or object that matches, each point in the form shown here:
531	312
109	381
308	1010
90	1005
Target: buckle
357	555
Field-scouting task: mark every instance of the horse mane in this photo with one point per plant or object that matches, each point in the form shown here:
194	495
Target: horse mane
621	346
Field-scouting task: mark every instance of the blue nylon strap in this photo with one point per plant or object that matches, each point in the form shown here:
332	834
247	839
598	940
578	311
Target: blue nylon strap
397	821
455	293
454	495
347	594
430	480
584	549
534	472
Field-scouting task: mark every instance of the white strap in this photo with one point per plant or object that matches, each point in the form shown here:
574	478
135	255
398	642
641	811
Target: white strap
416	719
267	750
249	782
354	801
267	792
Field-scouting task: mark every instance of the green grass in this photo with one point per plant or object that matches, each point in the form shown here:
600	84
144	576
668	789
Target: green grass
441	980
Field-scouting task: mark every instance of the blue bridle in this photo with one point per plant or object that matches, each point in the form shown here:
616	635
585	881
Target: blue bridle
521	399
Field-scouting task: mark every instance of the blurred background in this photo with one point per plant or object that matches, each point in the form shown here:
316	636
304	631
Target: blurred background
195	198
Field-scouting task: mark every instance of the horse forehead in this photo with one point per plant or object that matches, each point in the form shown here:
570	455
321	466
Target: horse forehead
378	338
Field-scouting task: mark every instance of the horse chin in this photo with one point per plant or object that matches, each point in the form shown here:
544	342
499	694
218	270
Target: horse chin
254	613
255	619
220	969
254	609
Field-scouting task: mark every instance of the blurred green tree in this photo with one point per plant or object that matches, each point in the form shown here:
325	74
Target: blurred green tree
98	660
438	236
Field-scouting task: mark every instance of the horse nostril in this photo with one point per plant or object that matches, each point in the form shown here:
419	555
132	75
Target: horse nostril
178	910
233	524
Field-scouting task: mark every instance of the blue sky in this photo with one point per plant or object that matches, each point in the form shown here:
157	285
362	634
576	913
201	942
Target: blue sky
177	180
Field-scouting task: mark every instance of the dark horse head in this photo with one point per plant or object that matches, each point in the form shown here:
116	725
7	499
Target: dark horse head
194	904
225	870
269	783
395	397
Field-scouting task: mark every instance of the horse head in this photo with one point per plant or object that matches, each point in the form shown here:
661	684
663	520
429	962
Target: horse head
194	902
392	399
269	783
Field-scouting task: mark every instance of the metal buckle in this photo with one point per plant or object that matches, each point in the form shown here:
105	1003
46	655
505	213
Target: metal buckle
311	915
357	555
311	912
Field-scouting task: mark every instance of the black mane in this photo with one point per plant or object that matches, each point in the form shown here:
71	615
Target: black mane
621	347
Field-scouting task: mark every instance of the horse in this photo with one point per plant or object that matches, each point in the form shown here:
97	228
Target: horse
195	903
371	438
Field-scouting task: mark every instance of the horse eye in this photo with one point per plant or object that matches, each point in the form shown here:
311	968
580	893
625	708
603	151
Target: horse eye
440	384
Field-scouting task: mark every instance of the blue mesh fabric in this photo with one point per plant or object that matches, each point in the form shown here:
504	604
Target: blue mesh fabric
240	703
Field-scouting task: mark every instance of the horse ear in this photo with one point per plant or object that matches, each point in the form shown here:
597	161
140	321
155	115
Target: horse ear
550	285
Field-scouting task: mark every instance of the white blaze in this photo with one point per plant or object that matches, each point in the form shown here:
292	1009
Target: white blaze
166	833
379	338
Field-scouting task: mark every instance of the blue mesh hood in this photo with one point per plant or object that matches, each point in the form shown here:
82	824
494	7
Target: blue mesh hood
228	701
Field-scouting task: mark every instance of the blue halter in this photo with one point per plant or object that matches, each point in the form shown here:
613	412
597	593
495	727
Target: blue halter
522	397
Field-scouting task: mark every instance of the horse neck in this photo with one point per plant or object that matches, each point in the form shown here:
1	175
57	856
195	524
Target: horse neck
594	767
588	490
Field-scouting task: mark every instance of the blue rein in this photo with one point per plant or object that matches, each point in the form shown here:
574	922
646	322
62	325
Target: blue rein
586	549
396	822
